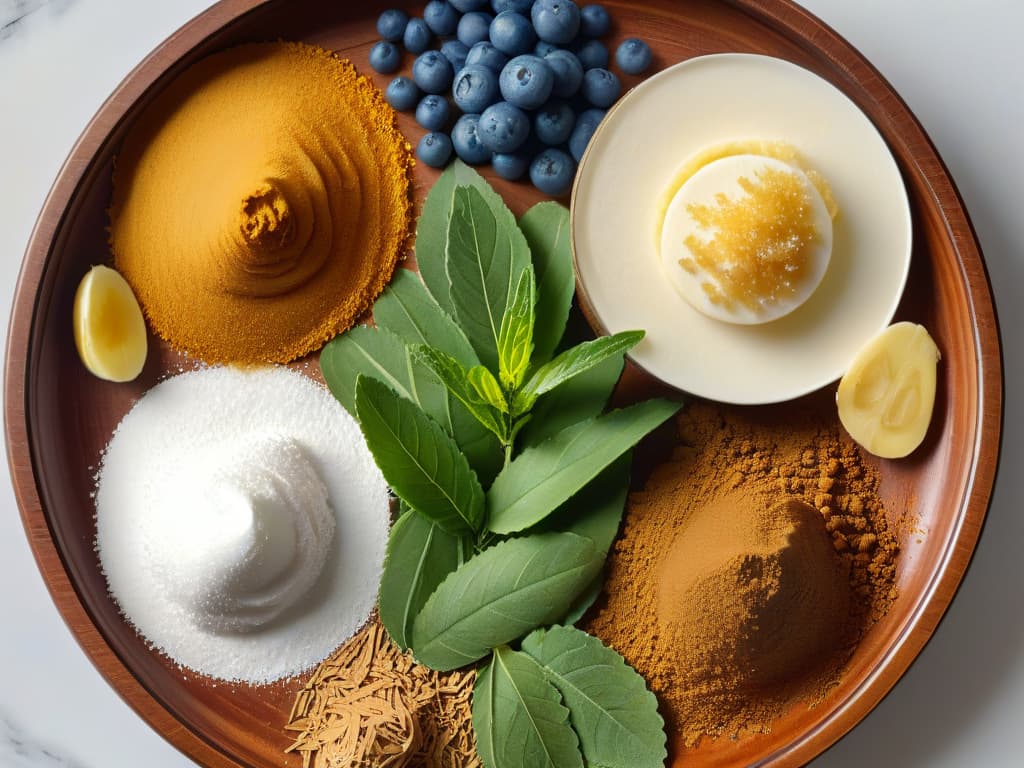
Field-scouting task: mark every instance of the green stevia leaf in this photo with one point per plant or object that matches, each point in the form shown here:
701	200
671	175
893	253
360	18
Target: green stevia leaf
546	228
458	383
487	387
420	461
432	228
501	594
369	352
483	257
578	399
420	555
596	511
541	478
518	717
515	340
382	355
584	600
610	708
571	363
410	312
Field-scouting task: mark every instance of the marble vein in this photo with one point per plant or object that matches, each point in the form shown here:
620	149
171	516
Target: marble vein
19	751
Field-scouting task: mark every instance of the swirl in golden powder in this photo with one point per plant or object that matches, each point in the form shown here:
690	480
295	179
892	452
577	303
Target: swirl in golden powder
261	202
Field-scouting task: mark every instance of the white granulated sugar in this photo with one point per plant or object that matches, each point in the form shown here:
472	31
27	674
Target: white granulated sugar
241	522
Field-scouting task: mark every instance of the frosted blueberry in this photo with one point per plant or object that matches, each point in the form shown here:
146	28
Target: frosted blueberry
512	165
512	33
474	27
434	149
475	88
594	21
391	24
633	56
556	21
486	55
601	87
519	6
432	72
553	122
417	36
441	17
402	93
503	127
586	123
593	54
385	57
455	52
466	140
432	112
552	172
568	73
526	81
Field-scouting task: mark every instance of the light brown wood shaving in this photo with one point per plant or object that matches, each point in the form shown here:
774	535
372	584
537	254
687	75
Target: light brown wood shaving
371	706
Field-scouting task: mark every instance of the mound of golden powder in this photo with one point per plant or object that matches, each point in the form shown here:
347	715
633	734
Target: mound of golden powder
261	202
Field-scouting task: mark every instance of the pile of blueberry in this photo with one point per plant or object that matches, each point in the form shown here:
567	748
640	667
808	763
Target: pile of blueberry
528	83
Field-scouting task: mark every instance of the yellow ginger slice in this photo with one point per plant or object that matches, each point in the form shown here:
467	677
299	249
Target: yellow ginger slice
110	333
885	400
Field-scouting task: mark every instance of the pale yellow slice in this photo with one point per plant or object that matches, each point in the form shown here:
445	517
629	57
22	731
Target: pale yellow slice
885	400
110	333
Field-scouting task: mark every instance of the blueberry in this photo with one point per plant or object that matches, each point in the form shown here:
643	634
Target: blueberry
519	6
553	123
402	93
417	36
432	72
441	17
633	56
586	124
455	52
601	87
510	165
465	6
486	55
593	54
385	57
467	142
434	149
432	112
526	81
474	27
556	21
594	21
543	48
503	128
391	24
512	33
568	73
552	172
475	88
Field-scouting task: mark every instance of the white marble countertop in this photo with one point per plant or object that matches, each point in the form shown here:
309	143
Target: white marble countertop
958	65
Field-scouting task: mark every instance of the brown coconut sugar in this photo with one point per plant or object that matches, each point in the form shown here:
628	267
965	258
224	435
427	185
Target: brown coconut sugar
750	565
261	202
370	705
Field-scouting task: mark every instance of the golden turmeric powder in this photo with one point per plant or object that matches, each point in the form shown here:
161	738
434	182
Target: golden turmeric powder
261	202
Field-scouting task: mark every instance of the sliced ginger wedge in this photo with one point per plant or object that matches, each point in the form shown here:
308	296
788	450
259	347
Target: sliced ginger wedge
885	400
110	333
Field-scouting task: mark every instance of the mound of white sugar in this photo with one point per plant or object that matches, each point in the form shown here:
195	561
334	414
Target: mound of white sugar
241	522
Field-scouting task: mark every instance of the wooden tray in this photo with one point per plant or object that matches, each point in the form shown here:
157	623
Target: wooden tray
58	417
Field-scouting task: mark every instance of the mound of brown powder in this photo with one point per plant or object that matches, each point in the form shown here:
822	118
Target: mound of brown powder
750	565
